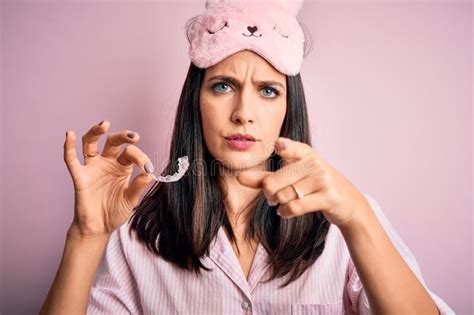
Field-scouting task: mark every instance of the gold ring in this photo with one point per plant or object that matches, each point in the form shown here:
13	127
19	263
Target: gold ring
298	193
91	155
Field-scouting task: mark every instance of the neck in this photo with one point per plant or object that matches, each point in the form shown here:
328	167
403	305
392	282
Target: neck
240	199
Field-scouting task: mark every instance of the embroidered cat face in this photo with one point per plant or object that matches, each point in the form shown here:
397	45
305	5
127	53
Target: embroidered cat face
269	28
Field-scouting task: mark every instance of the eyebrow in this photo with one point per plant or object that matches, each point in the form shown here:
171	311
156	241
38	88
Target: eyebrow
235	82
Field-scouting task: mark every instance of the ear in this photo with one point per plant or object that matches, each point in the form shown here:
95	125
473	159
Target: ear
291	6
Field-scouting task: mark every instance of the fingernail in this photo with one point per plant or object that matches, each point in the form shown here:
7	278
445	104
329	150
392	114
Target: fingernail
270	203
149	168
131	134
278	212
101	122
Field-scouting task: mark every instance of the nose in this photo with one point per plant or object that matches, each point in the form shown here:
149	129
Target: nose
244	114
241	117
252	29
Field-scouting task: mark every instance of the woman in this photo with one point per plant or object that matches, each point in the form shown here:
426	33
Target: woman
259	223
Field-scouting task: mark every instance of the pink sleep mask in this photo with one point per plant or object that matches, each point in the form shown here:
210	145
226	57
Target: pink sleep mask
268	28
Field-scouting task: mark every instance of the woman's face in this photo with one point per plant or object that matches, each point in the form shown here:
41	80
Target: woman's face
242	94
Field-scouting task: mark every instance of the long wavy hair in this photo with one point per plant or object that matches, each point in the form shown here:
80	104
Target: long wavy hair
187	214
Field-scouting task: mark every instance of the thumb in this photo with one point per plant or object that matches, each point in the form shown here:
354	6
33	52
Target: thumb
137	186
252	179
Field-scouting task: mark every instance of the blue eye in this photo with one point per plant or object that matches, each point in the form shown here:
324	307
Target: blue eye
272	90
219	84
267	89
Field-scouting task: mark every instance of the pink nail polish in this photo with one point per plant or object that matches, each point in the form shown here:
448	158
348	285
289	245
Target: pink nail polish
149	167
270	203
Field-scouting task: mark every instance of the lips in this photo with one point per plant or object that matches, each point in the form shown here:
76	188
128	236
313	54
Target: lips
240	144
242	137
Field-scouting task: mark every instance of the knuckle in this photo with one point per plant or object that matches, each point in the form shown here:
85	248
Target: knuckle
310	166
130	149
326	177
134	151
331	196
267	184
307	149
282	197
313	164
330	212
293	207
290	209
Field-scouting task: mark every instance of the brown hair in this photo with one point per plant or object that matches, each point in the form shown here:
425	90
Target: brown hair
187	214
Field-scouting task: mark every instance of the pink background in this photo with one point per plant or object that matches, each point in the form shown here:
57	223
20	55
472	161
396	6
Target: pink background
388	85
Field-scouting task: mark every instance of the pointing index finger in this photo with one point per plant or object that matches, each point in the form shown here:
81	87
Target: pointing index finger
290	150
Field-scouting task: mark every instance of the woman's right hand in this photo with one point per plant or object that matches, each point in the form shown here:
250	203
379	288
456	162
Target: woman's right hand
104	198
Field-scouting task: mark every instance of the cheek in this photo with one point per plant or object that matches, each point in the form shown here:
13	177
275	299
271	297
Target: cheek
271	126
273	120
210	116
213	119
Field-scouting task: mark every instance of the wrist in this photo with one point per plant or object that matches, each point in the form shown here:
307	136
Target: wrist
361	219
75	233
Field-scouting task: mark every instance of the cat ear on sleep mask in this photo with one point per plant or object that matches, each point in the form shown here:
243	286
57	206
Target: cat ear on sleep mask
291	6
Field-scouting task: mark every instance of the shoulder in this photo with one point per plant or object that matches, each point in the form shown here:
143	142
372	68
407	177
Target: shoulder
124	240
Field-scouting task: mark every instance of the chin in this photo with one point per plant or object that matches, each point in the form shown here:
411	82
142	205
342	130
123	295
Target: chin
239	161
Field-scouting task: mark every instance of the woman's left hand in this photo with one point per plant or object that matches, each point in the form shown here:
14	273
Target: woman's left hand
322	186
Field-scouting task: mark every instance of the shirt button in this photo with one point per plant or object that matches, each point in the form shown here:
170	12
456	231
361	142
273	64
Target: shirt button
245	305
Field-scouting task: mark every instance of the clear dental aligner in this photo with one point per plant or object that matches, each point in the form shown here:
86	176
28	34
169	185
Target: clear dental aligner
183	165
